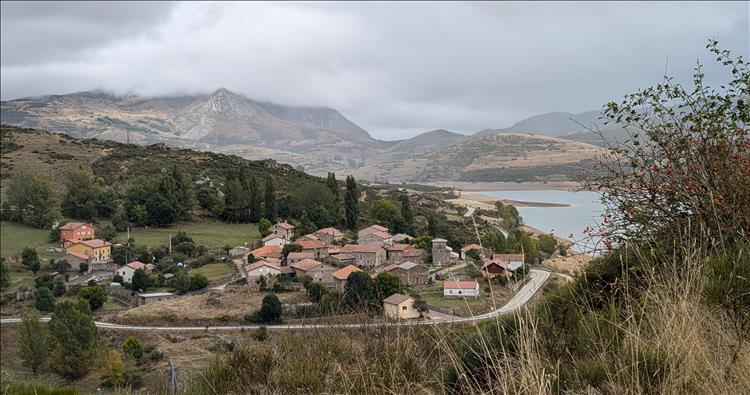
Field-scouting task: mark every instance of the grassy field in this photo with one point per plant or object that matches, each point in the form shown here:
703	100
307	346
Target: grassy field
215	271
469	306
14	237
212	234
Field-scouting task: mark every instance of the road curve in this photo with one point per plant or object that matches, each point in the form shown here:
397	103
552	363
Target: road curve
537	278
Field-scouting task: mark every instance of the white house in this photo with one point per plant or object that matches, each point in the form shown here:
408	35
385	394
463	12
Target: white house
461	289
400	307
275	240
513	261
284	230
126	271
261	268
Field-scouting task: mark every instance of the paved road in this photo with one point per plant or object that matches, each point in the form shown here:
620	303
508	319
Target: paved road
537	279
469	211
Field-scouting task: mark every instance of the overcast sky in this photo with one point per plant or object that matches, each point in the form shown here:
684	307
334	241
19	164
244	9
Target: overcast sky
395	69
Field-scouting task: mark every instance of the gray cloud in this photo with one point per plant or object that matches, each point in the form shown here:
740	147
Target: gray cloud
394	68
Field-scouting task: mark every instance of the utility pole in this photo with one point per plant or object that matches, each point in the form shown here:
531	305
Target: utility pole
170	244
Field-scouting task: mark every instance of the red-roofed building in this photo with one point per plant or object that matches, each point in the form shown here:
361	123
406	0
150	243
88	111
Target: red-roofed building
270	251
318	248
319	271
73	232
295	257
284	230
365	256
512	261
341	276
461	289
329	235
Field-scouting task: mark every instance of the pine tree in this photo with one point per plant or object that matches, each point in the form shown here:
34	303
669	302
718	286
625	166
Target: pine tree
407	214
75	338
333	185
351	203
255	200
271	209
33	342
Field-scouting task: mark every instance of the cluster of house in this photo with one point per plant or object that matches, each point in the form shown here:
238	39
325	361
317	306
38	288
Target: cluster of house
80	245
325	259
494	265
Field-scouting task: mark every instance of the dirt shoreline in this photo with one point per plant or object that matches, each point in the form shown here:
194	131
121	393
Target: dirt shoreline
506	186
487	202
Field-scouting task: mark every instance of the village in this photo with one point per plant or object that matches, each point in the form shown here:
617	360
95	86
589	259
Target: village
430	282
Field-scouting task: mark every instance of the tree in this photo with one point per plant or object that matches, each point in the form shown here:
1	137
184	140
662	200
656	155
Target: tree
383	211
432	225
58	289
4	273
291	247
236	201
270	310
198	281
251	258
270	207
315	291
304	225
262	283
185	196
547	243
407	213
45	300
75	338
113	371
333	186
509	214
82	196
208	200
351	203
61	266
133	347
140	280
359	292
107	233
255	199
31	200
680	176
94	295
29	257
33	342
264	227
83	267
54	235
495	241
386	284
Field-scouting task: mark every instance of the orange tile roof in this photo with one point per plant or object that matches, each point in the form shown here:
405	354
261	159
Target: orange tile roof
371	248
306	264
135	265
79	255
300	255
461	284
73	225
310	244
95	243
344	273
331	231
272	250
284	225
260	263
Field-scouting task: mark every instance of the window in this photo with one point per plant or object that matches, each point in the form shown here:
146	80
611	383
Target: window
403	307
459	292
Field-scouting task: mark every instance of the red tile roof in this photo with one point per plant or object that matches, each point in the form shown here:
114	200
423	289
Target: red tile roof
261	263
344	273
331	231
79	255
135	265
306	264
73	225
395	247
310	244
284	225
267	251
300	255
95	243
371	248
397	299
461	284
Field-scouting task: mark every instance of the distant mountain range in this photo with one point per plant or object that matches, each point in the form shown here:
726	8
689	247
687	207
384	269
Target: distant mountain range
319	139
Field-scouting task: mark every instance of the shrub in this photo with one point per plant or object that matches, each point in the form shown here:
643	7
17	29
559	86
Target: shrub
261	334
94	295
33	342
270	311
198	281
133	347
45	300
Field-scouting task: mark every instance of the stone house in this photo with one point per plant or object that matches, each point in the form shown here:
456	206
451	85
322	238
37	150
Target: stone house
366	256
400	307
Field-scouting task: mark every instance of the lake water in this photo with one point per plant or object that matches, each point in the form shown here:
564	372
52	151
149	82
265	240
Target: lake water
584	211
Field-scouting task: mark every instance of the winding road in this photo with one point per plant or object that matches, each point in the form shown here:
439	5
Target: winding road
537	278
